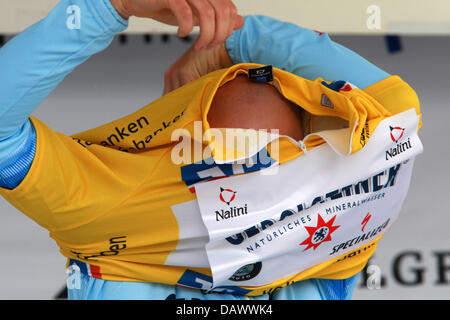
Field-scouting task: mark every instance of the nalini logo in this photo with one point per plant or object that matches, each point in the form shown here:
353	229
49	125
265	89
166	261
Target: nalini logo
320	233
227	196
396	134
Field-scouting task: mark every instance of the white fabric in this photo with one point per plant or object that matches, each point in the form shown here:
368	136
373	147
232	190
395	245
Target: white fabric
369	188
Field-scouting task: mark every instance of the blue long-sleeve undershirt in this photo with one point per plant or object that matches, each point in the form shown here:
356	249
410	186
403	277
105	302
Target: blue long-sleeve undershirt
304	52
37	60
33	63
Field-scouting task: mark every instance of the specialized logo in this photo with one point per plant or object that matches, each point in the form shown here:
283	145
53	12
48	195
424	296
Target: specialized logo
365	221
360	238
396	133
378	182
247	272
227	195
319	234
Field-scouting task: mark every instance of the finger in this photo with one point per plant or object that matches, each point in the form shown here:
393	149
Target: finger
237	21
206	16
184	15
233	16
224	20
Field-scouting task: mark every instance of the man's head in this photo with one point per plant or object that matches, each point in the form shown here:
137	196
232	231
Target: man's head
241	103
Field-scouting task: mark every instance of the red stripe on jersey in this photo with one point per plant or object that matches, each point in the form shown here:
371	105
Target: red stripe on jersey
347	87
95	271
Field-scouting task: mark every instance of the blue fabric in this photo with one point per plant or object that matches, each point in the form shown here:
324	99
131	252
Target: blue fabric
98	289
318	289
34	62
338	289
86	287
301	51
48	51
16	166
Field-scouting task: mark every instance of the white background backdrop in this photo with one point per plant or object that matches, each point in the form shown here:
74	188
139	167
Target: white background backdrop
126	77
347	16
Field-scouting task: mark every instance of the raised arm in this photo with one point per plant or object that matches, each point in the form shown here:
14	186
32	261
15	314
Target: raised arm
311	55
304	52
264	40
33	63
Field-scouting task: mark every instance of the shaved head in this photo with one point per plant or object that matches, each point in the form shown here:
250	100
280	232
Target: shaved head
242	103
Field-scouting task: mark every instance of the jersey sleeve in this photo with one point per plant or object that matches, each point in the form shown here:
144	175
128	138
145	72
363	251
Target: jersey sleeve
312	54
396	95
34	62
71	183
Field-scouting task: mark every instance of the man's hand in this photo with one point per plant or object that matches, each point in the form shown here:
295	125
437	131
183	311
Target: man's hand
195	64
217	18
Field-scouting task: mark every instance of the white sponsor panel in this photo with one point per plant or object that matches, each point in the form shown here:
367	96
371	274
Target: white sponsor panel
193	236
263	228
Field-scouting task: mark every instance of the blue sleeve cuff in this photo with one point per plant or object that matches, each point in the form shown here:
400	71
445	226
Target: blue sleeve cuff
108	15
17	154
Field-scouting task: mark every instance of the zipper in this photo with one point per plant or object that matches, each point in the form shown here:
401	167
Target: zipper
301	144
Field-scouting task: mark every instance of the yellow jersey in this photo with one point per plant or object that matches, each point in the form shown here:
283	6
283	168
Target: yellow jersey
107	195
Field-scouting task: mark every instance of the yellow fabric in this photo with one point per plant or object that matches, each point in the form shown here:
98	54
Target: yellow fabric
105	195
